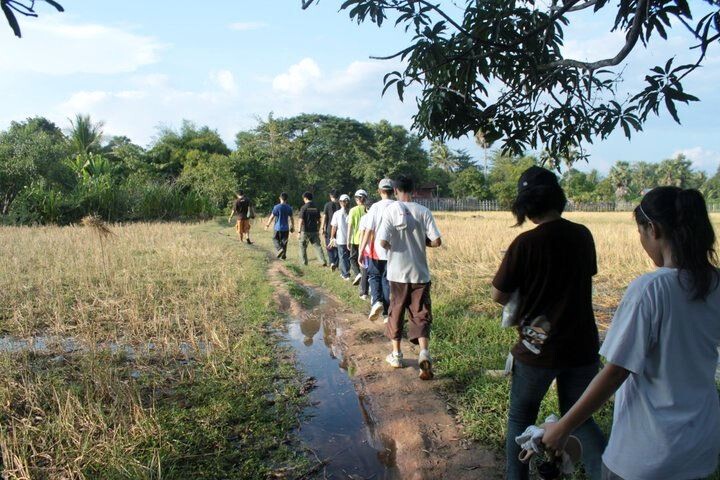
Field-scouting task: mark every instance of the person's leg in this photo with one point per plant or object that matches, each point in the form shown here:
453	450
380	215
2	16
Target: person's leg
529	386
284	237
385	286
354	267
332	253
238	229
277	243
317	245
420	310
364	281
303	248
374	281
344	260
571	383
247	231
394	327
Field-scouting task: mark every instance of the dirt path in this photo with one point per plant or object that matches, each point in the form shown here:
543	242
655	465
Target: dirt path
410	432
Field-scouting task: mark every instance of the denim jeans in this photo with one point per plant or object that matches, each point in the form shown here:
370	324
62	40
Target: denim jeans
333	253
379	286
344	254
314	238
529	386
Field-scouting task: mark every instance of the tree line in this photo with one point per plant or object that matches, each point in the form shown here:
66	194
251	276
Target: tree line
48	175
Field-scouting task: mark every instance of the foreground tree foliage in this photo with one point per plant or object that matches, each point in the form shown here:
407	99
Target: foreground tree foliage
497	67
12	8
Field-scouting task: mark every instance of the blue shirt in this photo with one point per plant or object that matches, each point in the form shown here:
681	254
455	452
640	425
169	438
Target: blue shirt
282	213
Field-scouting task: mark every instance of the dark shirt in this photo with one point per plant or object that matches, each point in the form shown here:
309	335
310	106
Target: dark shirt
552	266
310	216
242	207
330	209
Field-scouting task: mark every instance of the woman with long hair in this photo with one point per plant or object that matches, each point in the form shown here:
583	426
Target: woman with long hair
661	352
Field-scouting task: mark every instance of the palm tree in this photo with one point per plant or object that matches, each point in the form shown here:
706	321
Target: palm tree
442	157
483	143
84	135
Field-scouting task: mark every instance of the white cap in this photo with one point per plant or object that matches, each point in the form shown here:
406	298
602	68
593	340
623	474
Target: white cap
344	198
361	193
385	184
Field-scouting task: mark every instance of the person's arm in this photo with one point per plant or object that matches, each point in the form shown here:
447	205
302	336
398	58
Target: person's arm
232	212
300	226
271	218
333	231
364	242
292	222
603	386
323	222
435	243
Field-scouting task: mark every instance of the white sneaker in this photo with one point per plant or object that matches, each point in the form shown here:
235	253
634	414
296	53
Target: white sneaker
386	319
425	363
363	297
395	359
358	277
375	311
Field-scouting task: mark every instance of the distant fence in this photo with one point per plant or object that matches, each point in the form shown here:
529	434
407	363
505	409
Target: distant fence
475	205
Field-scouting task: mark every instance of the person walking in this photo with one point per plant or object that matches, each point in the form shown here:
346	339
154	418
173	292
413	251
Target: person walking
308	229
329	210
243	211
363	261
356	213
661	351
376	256
338	236
551	267
282	216
406	229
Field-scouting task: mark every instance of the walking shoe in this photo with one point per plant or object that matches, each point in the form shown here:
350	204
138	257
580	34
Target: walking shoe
358	277
425	363
375	311
333	267
395	359
364	297
249	242
347	279
386	319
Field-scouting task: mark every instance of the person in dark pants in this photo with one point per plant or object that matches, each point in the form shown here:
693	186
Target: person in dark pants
282	215
328	211
356	213
375	255
243	211
308	230
551	267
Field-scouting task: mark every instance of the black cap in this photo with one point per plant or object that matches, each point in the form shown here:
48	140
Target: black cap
536	177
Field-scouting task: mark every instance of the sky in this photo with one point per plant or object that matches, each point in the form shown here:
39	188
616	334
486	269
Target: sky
139	66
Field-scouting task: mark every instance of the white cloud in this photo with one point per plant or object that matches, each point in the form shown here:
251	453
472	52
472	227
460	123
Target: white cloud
53	45
225	80
81	102
702	158
298	78
245	26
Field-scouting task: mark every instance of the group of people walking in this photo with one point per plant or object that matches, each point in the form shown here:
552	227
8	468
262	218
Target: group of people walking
661	350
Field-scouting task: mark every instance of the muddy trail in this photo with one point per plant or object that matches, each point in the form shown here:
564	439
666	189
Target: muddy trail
367	420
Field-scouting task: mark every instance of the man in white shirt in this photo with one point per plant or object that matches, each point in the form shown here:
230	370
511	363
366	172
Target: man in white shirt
406	229
376	254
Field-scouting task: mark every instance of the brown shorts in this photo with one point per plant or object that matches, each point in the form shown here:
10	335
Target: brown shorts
242	225
415	297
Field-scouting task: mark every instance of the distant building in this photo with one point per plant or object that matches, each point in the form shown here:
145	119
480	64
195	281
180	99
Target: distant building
429	190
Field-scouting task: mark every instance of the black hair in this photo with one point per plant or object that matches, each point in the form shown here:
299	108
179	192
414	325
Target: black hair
308	195
333	193
284	196
683	219
536	201
240	193
404	184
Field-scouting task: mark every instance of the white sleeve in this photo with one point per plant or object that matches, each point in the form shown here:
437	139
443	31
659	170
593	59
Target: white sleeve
631	335
385	228
431	229
334	221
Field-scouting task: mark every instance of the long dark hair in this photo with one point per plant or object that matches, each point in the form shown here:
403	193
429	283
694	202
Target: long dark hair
683	219
534	202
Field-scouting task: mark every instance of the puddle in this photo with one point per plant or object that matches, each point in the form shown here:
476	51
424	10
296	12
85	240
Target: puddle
338	428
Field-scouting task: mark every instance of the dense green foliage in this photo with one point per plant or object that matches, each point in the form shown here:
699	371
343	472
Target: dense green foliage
51	176
499	67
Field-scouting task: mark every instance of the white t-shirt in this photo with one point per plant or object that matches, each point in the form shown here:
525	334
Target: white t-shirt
375	213
407	261
666	422
339	220
365	225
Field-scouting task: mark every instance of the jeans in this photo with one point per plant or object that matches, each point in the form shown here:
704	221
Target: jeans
529	386
280	240
344	254
354	267
379	285
364	281
314	238
333	253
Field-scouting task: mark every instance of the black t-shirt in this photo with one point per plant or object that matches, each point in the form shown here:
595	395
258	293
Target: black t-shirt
552	267
310	216
329	210
242	207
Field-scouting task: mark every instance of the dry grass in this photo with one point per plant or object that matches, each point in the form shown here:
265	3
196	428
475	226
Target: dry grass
159	367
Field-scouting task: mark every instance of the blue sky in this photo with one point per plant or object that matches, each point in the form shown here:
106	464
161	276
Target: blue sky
138	65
